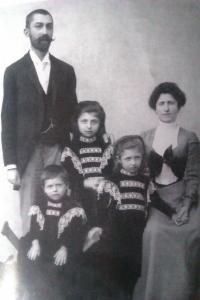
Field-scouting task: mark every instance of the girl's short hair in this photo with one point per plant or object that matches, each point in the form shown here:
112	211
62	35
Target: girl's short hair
88	106
129	142
53	171
167	88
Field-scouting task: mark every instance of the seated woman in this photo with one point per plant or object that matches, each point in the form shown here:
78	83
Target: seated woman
171	240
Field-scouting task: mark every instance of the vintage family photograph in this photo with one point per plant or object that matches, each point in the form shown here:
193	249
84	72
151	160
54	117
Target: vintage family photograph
100	152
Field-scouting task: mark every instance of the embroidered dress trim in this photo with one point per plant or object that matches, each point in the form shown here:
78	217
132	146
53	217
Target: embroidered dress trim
67	152
106	156
132	195
132	183
56	205
90	159
113	190
126	172
88	140
91	170
66	219
130	206
35	210
52	212
90	150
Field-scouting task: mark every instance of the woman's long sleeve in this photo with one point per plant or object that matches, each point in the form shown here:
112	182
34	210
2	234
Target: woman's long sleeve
192	171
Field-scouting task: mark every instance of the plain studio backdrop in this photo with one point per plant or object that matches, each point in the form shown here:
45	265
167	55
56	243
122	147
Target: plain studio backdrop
120	50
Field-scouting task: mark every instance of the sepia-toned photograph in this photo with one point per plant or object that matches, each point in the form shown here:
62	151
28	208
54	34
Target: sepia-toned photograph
100	152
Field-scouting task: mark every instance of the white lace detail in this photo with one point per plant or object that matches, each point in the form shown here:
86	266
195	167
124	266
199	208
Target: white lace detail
113	190
90	159
66	219
91	170
131	206
67	152
88	140
106	156
90	150
35	210
52	212
132	195
132	183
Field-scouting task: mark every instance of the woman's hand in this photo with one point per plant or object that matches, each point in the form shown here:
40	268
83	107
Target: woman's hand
182	216
34	251
61	256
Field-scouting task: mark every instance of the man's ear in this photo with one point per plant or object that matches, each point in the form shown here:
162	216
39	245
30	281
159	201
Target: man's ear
26	32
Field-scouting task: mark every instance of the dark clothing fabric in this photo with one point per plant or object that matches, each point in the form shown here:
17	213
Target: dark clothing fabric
54	225
171	252
127	198
161	205
87	157
184	161
84	158
26	112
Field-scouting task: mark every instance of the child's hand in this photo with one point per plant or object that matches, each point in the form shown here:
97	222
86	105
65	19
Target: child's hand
92	182
61	256
93	236
34	251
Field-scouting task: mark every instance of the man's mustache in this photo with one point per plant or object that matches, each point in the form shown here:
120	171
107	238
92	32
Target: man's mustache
45	37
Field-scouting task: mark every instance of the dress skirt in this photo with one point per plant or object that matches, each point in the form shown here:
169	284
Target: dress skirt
171	253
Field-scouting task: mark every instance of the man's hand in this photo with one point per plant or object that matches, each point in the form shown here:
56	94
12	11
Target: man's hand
34	251
61	256
13	177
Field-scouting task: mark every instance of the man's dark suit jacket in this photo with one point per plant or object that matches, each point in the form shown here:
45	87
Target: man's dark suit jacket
23	107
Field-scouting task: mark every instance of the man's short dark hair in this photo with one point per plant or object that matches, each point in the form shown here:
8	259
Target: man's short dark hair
34	12
53	171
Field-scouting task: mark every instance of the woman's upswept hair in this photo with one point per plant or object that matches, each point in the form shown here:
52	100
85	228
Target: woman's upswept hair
167	88
88	107
129	142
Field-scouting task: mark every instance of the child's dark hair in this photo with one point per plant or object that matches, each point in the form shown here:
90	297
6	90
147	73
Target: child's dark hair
88	106
129	142
52	171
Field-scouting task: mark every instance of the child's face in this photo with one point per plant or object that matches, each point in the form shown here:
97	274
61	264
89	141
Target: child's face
55	188
88	124
131	160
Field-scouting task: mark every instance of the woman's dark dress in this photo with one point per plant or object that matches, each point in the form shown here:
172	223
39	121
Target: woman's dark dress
170	252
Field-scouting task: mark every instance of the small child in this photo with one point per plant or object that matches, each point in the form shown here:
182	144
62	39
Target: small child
126	190
88	160
48	253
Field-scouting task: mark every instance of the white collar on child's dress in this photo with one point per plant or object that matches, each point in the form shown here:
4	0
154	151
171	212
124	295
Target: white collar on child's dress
166	135
54	204
87	140
124	172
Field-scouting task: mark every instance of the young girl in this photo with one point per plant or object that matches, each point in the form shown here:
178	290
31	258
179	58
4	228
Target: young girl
88	160
127	194
49	252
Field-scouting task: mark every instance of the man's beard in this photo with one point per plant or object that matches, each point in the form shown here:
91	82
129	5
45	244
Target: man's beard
42	43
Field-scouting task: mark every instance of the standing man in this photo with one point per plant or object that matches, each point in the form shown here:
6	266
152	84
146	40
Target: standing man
39	99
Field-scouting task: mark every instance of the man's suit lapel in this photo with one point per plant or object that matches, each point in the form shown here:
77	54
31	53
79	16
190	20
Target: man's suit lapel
53	80
31	73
